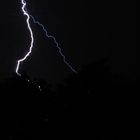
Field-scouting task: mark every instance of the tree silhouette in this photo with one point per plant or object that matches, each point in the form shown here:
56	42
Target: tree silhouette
95	102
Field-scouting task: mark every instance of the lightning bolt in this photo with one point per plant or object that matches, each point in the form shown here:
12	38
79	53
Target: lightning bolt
26	13
56	43
31	33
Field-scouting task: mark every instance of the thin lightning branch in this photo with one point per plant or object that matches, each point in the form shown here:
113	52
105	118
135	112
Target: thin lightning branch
31	33
56	43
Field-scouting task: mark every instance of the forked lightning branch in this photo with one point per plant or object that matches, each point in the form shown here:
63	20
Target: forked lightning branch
28	18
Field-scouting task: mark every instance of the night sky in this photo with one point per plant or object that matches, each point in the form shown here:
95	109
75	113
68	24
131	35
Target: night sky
86	31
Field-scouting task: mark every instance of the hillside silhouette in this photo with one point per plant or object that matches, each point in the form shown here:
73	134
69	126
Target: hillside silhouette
95	103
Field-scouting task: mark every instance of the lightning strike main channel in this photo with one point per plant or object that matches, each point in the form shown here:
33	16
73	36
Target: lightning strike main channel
31	33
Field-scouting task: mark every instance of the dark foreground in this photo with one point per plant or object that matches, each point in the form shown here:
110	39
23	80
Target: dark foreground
93	104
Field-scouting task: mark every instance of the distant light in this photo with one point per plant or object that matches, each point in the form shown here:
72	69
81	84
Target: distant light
40	88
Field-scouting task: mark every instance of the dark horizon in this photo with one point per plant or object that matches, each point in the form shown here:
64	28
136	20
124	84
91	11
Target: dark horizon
95	102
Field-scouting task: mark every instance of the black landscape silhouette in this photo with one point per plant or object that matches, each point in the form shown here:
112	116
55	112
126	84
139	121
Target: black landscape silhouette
91	104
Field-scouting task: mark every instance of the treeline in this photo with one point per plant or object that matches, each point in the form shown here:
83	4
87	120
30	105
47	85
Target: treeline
91	104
